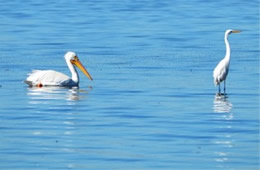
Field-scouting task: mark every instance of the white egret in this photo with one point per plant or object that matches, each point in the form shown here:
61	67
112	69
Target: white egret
221	71
41	78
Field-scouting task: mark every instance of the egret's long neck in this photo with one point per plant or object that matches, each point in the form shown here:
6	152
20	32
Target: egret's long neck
227	57
74	73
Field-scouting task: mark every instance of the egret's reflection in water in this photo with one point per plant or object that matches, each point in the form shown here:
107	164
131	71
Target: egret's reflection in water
223	107
221	104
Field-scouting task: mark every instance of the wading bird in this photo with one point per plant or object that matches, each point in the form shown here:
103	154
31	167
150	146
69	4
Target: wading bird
221	71
41	78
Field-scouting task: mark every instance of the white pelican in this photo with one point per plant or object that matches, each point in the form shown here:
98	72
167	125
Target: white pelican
41	78
221	71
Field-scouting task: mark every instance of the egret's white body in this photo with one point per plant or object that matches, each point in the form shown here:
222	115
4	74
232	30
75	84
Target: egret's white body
41	78
221	71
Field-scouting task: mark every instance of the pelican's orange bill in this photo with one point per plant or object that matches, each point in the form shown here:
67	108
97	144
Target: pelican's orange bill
82	68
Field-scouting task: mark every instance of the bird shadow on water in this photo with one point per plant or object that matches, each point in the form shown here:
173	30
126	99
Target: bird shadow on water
57	93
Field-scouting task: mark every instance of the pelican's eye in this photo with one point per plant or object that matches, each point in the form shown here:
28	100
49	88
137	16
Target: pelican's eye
74	59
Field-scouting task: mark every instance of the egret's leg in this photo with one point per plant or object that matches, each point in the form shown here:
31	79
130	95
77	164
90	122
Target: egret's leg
224	86
219	88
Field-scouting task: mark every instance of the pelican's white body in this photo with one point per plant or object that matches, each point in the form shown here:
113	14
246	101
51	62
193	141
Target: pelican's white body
54	78
49	78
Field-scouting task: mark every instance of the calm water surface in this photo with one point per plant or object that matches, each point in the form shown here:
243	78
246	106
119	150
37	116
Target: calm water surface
152	104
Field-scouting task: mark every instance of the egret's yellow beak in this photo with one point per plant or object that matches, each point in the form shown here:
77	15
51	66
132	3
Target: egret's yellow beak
77	63
236	31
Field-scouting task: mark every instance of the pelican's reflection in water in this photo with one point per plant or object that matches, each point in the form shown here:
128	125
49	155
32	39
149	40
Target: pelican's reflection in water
223	107
55	116
56	93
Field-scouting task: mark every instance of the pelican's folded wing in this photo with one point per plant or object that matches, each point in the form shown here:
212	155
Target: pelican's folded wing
46	78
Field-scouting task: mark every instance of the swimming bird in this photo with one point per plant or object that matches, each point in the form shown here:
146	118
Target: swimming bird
221	71
41	78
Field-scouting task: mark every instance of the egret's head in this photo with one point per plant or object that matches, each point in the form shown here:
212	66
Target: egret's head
73	59
229	31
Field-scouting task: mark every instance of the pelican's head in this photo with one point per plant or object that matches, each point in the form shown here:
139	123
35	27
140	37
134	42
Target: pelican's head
229	31
73	59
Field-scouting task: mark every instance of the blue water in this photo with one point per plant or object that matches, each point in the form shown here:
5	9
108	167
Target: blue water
152	104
